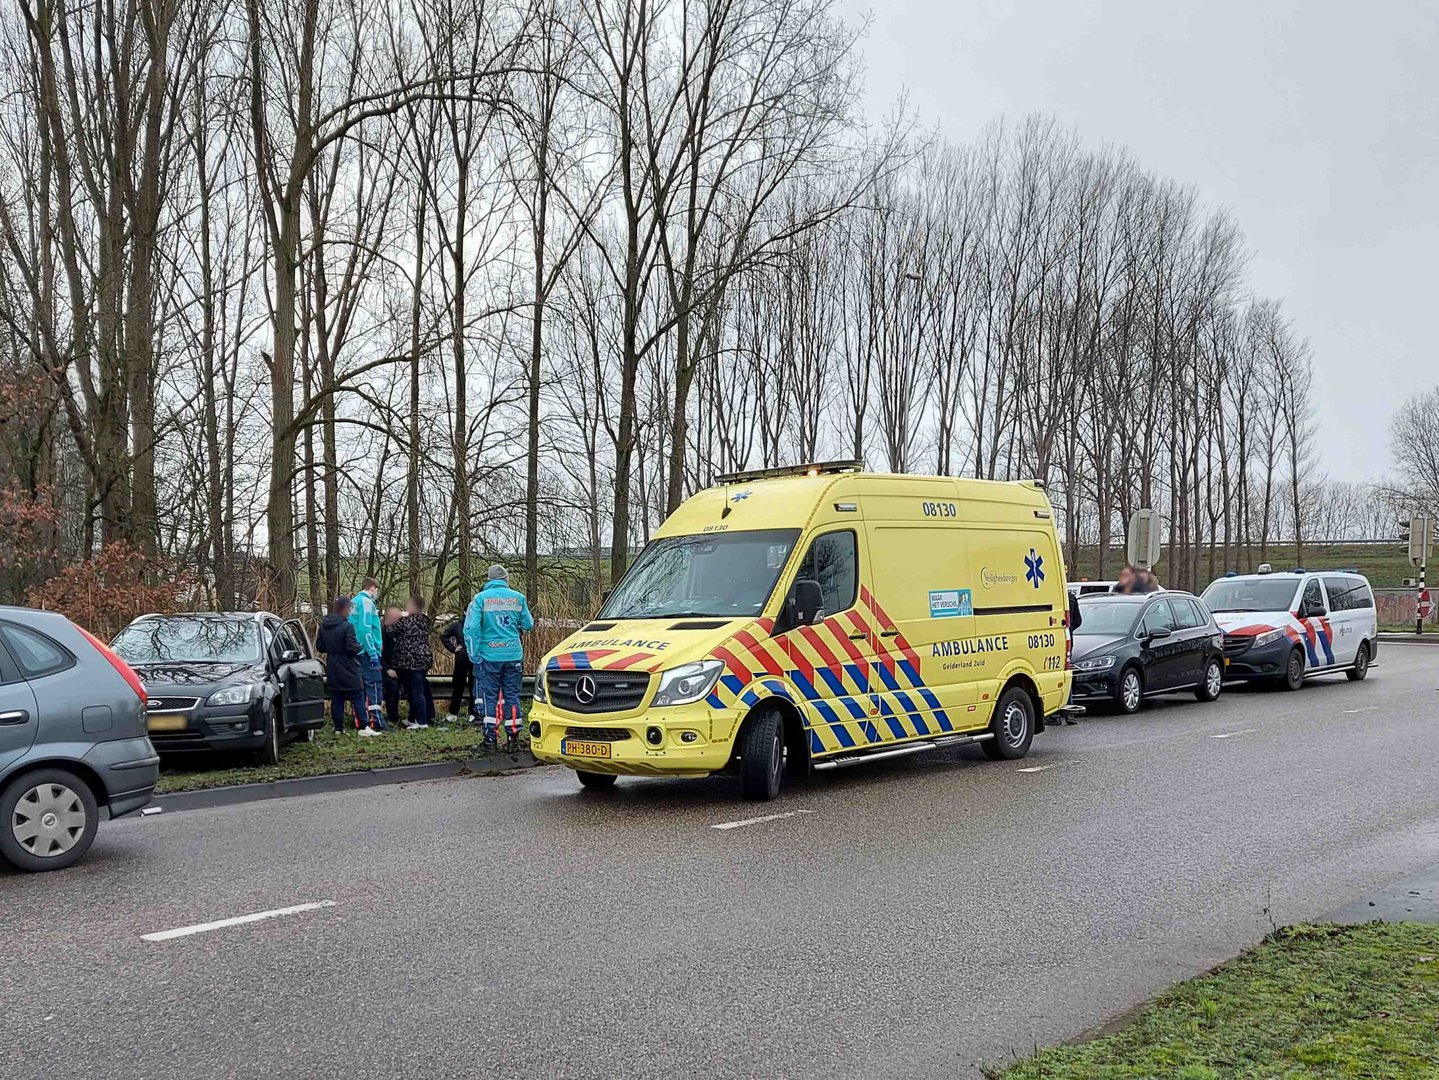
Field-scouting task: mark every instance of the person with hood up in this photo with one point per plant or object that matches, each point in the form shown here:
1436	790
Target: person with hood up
365	618
337	641
493	624
412	657
461	681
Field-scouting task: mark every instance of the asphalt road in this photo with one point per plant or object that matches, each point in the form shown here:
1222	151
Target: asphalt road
906	919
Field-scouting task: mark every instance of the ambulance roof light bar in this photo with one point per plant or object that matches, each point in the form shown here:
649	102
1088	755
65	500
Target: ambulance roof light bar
817	468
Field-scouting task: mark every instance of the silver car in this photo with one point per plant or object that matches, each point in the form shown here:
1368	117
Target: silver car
73	745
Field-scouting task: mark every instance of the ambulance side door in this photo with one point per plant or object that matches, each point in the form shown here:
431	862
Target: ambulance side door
926	658
831	660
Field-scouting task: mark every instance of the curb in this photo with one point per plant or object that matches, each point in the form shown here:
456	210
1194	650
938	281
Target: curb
1408	639
234	794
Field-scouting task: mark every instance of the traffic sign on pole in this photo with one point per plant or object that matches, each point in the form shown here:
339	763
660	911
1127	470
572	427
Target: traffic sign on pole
1426	605
1421	539
1142	546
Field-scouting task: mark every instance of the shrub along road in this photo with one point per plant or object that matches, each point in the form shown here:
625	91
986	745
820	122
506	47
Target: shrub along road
912	918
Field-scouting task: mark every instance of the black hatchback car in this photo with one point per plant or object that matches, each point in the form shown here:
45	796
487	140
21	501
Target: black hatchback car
225	681
1128	648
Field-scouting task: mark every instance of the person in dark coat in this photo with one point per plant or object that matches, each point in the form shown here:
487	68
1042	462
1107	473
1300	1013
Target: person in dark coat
341	647
387	665
413	657
453	639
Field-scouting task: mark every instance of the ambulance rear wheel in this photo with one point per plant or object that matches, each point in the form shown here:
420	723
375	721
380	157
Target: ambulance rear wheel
761	765
1012	726
596	781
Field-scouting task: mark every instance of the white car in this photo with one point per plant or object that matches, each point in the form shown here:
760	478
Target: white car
1284	627
1091	588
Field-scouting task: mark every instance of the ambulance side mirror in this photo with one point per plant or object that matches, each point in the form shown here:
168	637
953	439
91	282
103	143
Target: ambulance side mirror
803	605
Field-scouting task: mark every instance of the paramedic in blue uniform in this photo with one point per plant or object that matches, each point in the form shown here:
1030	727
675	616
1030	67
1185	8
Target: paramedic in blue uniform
493	624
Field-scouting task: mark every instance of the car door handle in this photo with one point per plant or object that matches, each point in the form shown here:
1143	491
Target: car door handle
889	633
858	637
14	716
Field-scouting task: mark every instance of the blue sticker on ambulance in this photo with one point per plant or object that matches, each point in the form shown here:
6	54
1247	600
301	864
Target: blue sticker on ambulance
949	603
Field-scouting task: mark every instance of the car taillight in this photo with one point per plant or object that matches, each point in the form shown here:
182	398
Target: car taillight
126	671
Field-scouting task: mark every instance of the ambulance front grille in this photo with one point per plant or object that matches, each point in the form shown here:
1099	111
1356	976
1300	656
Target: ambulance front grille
583	690
597	734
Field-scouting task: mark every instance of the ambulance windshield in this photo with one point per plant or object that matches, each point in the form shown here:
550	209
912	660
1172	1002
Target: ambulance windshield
726	575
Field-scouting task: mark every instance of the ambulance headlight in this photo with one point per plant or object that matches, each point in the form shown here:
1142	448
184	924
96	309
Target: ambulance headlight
539	691
1268	637
1094	663
688	683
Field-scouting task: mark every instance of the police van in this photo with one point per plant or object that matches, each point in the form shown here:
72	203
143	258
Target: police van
817	617
1283	628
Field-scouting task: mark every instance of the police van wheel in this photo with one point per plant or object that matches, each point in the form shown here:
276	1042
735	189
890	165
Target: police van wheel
596	781
1293	677
1361	664
761	764
1012	726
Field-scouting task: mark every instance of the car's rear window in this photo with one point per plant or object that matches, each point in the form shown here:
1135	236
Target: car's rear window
36	654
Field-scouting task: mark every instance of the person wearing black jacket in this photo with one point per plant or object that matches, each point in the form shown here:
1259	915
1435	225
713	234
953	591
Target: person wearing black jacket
453	639
413	657
341	647
388	620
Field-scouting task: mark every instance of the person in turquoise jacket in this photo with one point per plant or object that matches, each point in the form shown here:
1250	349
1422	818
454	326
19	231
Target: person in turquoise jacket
365	617
493	624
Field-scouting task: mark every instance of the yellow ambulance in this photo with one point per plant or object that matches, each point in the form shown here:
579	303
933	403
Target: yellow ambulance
812	618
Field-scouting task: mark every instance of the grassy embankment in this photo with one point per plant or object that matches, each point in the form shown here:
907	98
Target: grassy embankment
1311	1001
329	753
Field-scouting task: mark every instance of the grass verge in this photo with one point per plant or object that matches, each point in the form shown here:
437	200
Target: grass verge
329	753
1310	1001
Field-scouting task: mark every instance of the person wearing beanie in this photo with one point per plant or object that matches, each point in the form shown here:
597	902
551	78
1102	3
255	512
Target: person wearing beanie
493	624
341	647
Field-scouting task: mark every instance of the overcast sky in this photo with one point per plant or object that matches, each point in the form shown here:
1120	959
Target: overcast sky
1316	122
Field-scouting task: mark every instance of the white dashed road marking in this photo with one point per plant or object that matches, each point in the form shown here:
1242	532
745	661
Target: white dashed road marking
1367	708
1231	734
1040	768
238	920
759	820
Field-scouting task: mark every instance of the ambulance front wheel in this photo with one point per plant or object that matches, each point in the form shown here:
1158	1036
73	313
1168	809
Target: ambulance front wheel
761	763
1012	726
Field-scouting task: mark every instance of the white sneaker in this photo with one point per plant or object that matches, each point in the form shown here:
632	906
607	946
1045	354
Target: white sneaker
450	718
369	731
422	727
412	726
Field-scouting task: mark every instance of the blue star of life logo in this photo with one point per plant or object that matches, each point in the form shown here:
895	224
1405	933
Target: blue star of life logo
1034	568
739	496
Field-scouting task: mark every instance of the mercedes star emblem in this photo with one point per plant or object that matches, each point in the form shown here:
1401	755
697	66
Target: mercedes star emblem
585	690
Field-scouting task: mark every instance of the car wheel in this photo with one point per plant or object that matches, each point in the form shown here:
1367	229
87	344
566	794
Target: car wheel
1012	726
1360	670
596	781
1129	694
761	764
48	820
1293	677
269	754
1213	682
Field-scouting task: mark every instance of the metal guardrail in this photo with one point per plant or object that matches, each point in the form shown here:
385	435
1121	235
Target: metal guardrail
440	683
